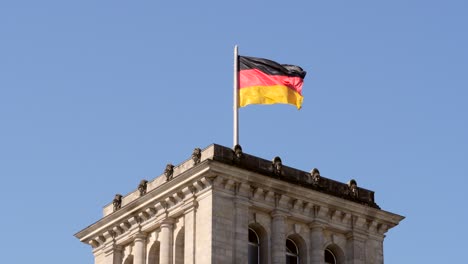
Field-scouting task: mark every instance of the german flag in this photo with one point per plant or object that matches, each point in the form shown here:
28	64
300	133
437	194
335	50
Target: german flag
263	81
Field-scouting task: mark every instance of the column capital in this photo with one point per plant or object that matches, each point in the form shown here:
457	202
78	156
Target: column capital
139	236
167	222
316	225
279	213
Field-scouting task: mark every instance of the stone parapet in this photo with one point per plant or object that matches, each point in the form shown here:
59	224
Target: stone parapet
255	164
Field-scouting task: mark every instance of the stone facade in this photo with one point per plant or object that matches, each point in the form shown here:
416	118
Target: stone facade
205	209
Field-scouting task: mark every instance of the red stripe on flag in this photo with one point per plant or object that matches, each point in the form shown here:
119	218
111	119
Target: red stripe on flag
255	77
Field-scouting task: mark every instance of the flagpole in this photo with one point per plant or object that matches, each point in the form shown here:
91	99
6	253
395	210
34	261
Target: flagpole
236	96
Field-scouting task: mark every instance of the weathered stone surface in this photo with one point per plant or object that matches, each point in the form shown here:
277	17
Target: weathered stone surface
203	214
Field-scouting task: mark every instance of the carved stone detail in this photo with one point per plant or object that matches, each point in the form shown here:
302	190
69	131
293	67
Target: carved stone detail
228	184
93	243
143	216
160	206
169	172
253	191
353	189
142	187
277	166
282	201
151	211
109	235
117	202
198	185
331	213
189	191
118	230
315	177
305	207
101	239
125	225
196	156
238	153
358	222
134	220
382	228
294	204
179	196
297	228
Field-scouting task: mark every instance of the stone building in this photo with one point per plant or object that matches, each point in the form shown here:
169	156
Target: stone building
225	206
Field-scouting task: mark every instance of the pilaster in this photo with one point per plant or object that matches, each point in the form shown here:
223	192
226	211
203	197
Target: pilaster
190	205
241	223
355	248
113	254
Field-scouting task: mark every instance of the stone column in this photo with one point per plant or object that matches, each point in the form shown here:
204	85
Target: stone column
316	244
165	254
139	249
278	237
355	248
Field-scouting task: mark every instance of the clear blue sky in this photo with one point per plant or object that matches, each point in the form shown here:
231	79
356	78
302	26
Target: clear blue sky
97	95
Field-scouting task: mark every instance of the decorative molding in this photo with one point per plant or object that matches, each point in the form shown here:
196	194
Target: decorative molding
358	222
198	185
93	243
297	228
138	218
151	211
143	216
258	187
227	184
188	191
282	201
118	230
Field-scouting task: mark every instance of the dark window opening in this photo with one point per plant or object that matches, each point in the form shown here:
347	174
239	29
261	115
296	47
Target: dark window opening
254	247
292	252
330	257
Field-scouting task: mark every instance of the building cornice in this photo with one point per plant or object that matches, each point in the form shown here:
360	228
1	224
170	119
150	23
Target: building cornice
267	186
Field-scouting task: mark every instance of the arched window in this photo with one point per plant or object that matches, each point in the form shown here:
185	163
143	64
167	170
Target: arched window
292	252
330	257
254	247
129	260
179	247
153	254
